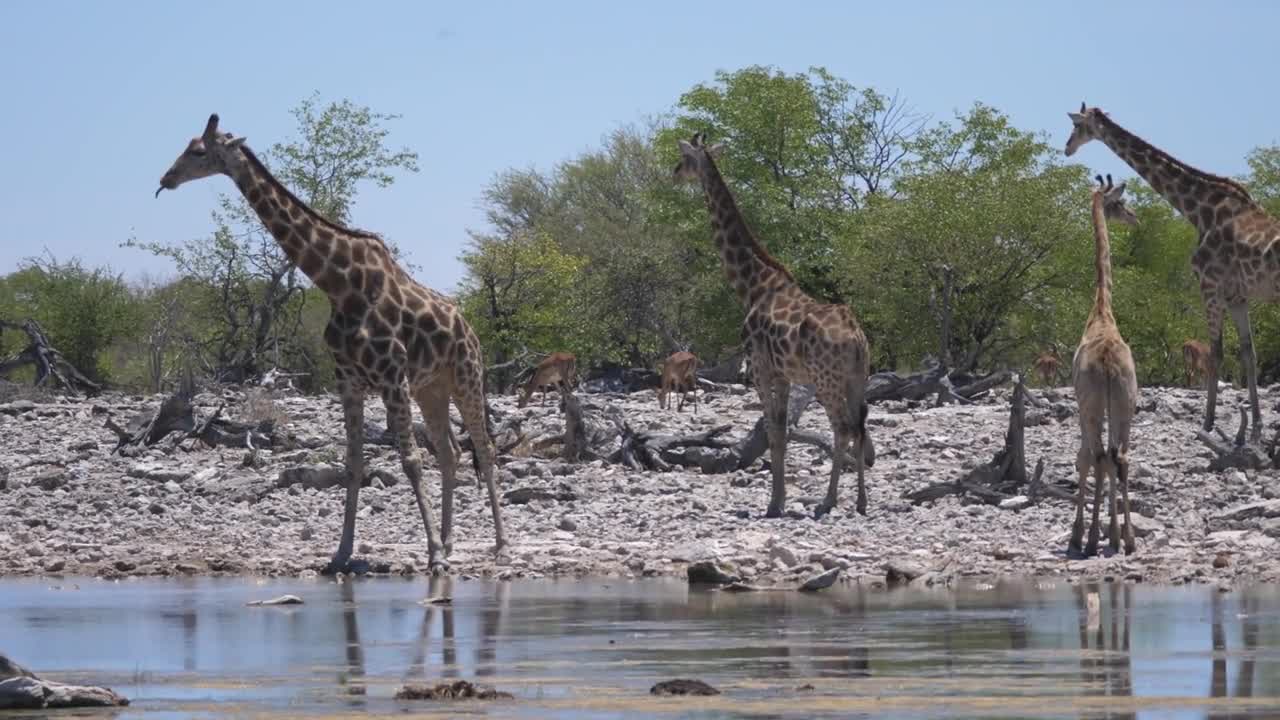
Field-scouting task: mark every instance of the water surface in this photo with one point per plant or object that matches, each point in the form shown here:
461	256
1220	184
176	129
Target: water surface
190	648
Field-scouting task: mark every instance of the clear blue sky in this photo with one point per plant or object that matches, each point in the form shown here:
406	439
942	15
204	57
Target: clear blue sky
98	98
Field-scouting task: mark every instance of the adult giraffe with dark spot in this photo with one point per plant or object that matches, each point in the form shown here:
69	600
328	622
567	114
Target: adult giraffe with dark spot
387	333
1238	257
793	338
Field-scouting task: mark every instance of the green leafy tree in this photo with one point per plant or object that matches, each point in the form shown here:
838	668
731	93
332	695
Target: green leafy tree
82	311
973	257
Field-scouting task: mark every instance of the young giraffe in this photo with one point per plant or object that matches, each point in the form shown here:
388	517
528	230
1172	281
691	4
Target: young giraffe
1106	386
1238	257
387	333
792	337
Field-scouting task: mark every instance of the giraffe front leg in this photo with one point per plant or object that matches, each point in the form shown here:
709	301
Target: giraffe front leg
352	396
1249	362
777	425
400	422
1214	311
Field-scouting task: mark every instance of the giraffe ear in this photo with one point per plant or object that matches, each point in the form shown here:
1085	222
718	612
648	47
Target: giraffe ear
714	150
235	142
685	147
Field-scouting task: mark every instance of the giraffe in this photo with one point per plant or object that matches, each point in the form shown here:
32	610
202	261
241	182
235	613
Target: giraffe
387	334
793	338
680	370
1106	386
1238	257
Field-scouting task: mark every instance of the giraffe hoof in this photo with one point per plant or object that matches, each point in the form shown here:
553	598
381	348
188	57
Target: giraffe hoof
438	568
339	564
822	509
773	512
1091	550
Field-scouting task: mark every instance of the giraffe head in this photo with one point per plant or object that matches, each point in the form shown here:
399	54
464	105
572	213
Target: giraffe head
210	154
694	156
1085	126
1113	204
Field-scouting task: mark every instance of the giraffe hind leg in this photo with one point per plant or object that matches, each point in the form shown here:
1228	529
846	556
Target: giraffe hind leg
434	404
468	394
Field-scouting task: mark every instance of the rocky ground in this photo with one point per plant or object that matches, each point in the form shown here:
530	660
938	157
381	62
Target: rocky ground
68	505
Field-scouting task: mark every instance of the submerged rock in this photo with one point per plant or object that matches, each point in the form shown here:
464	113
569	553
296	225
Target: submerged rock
456	690
20	689
709	572
681	686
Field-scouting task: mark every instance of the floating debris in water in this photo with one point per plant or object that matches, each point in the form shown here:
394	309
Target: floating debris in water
282	600
456	690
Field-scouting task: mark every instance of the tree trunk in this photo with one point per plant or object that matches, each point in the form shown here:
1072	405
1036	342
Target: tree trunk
47	360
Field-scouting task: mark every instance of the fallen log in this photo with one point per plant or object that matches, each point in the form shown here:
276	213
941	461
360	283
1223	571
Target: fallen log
177	414
49	363
1242	453
644	451
21	689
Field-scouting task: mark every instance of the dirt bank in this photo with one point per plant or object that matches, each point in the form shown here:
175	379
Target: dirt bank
69	506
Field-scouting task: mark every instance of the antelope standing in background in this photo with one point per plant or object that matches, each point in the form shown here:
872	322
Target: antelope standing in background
558	368
680	370
1195	358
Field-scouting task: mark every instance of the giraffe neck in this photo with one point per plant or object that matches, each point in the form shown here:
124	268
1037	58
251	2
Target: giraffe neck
1101	261
322	249
749	267
1194	193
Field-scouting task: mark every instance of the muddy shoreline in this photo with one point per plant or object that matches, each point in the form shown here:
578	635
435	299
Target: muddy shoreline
71	507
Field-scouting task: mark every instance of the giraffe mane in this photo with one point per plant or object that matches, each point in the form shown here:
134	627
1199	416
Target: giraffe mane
756	248
310	211
1230	184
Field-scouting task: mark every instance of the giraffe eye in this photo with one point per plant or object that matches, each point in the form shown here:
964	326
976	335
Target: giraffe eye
198	152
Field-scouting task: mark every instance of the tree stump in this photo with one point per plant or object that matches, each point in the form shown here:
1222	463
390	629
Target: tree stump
995	481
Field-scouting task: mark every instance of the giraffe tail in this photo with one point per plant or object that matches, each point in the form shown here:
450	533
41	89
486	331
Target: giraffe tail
857	422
